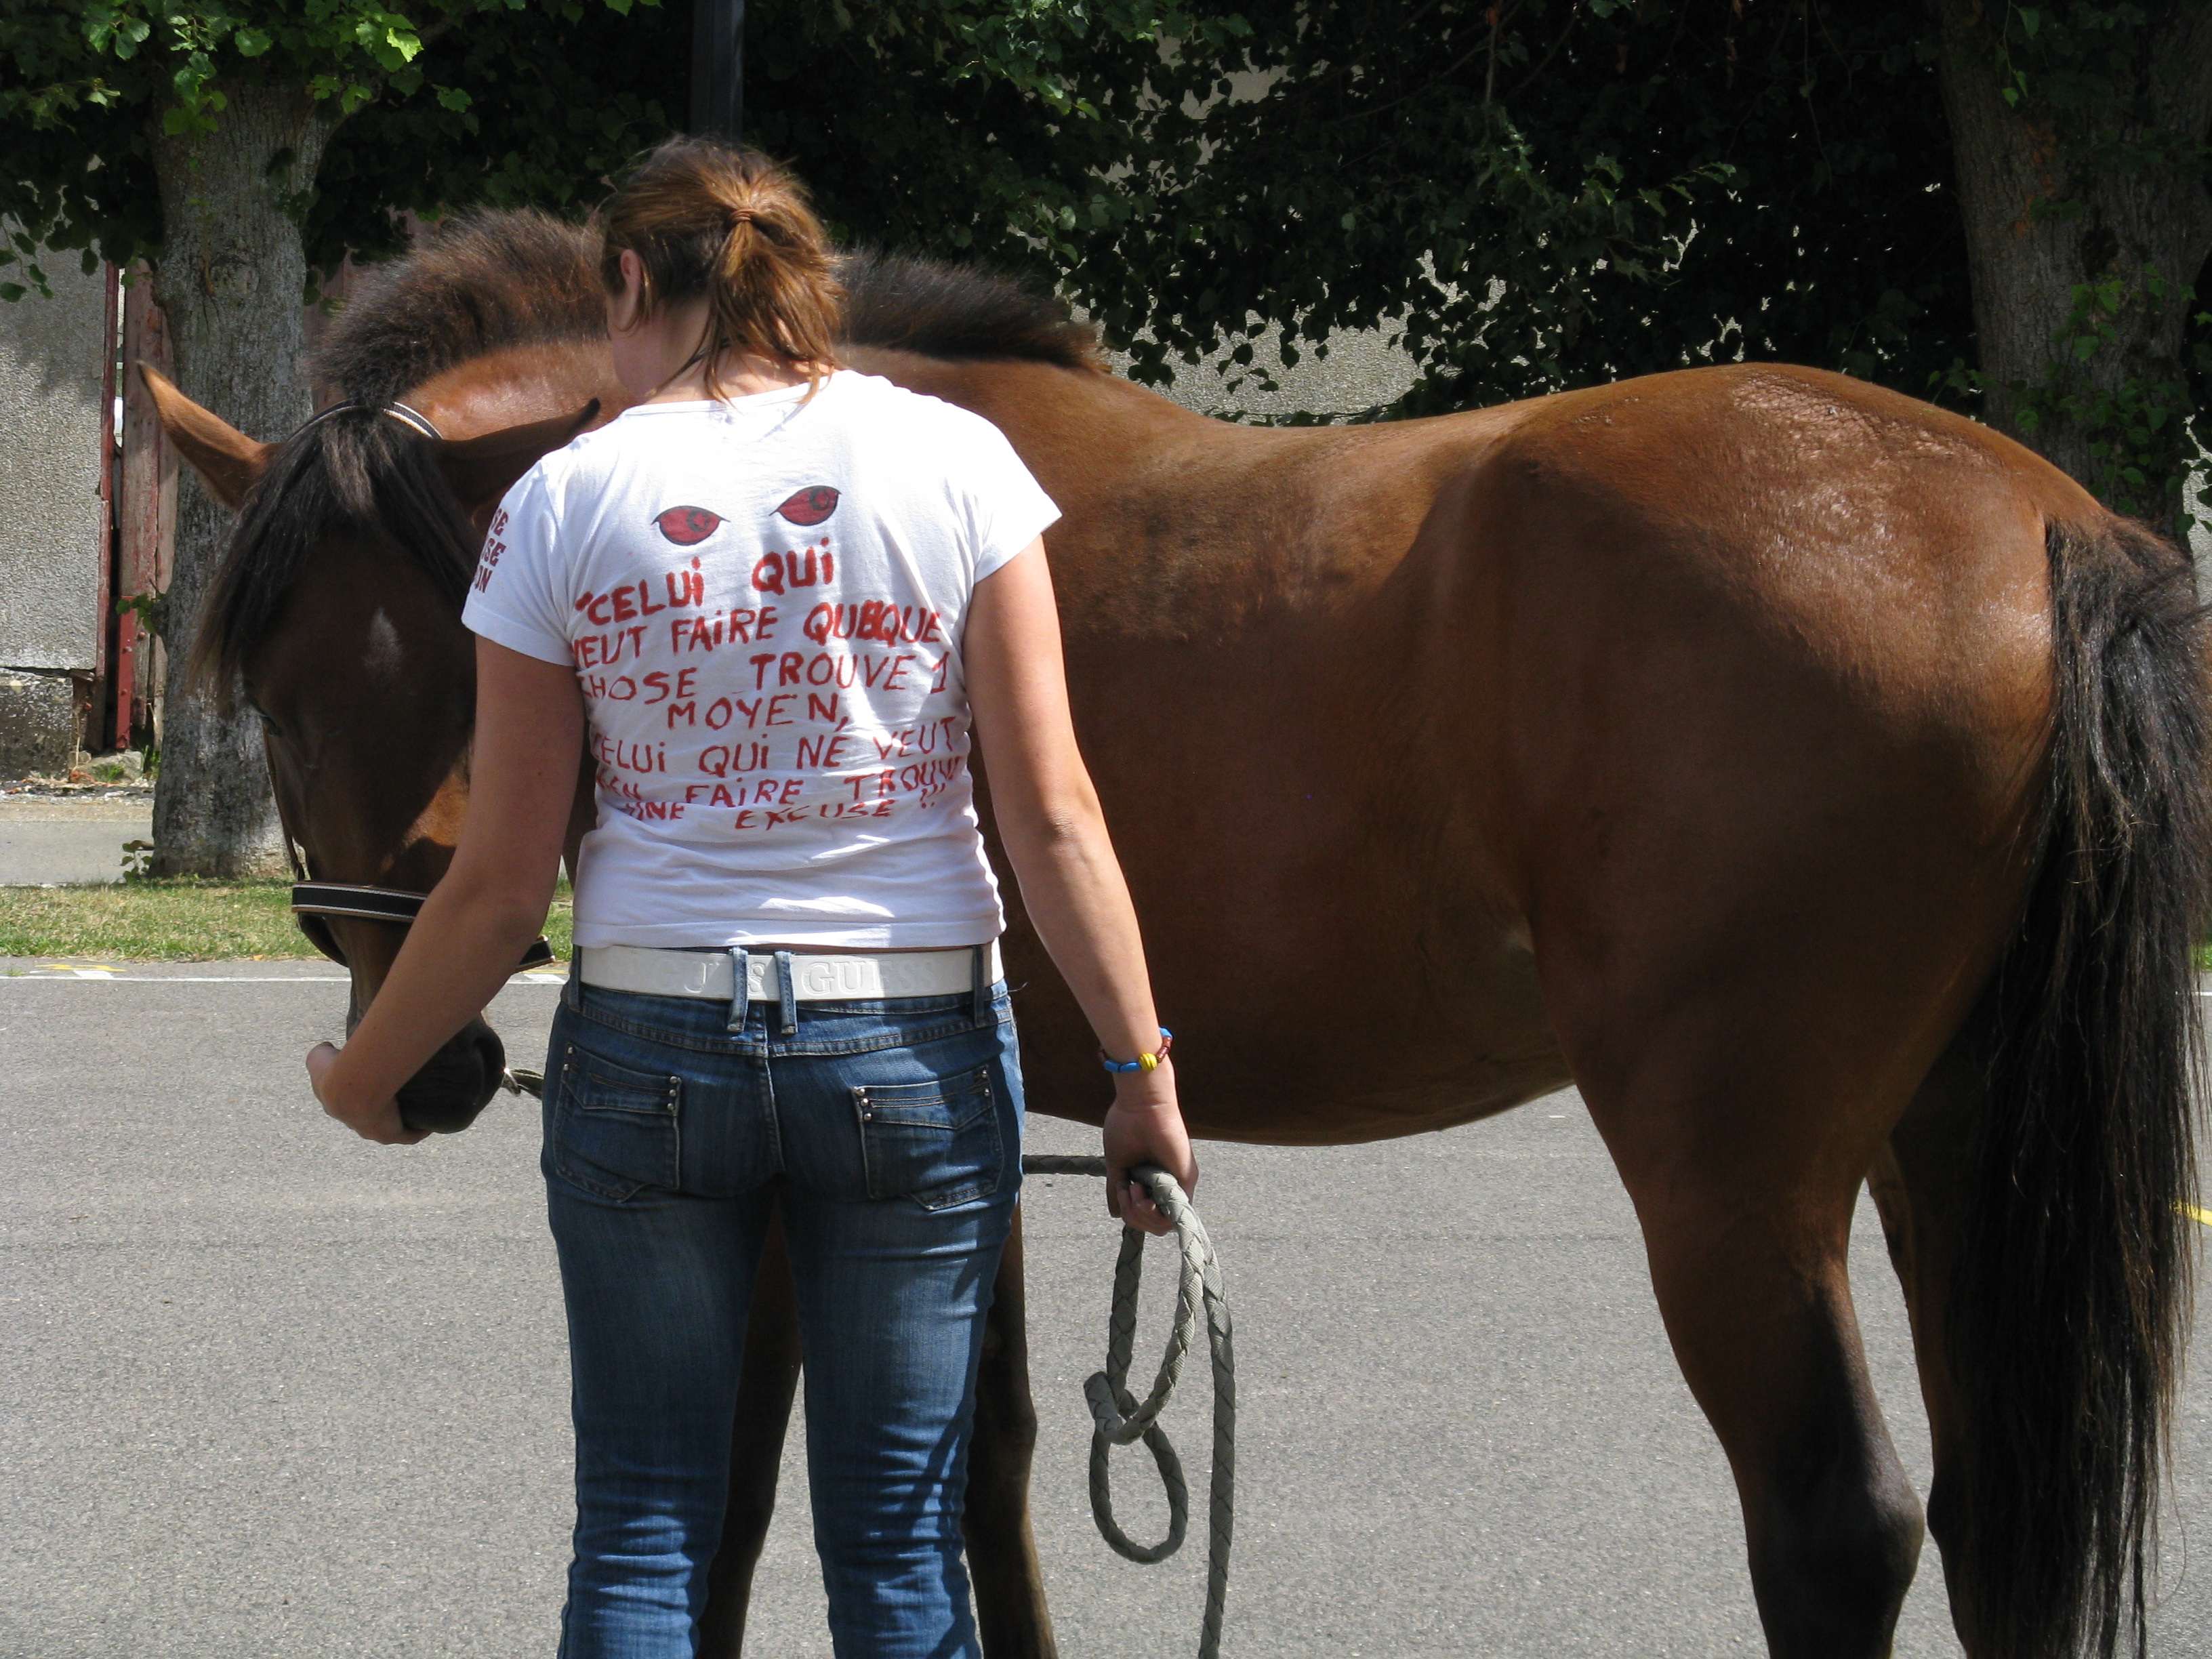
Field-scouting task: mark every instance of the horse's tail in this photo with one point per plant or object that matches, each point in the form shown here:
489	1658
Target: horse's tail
2070	1310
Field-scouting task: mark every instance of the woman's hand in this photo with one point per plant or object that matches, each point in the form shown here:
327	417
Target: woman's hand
490	904
372	1120
1145	1126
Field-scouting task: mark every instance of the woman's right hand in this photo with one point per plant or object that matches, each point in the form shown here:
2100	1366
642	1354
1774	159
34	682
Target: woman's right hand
1145	1126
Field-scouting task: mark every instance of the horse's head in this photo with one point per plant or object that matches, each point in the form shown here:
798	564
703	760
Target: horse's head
336	615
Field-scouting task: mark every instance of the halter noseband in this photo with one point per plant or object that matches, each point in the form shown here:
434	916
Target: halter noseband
392	904
338	898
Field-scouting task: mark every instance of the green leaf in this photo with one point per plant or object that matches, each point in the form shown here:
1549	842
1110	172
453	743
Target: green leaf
251	42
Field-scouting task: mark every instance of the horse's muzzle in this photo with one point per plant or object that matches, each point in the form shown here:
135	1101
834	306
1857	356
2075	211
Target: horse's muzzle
456	1083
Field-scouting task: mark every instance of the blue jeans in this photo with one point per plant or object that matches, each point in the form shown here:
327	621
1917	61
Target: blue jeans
890	1131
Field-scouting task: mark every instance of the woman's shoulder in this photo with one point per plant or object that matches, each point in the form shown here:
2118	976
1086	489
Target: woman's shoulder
641	434
879	408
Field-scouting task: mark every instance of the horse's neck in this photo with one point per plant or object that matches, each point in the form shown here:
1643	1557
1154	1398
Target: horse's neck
520	384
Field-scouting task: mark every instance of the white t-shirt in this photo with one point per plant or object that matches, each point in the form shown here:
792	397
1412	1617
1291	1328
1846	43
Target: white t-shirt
764	600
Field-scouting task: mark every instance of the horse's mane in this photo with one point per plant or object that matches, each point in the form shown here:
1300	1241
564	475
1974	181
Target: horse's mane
942	311
477	283
484	281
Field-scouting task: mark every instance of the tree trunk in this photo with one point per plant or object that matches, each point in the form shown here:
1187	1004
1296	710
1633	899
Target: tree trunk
2044	217
232	278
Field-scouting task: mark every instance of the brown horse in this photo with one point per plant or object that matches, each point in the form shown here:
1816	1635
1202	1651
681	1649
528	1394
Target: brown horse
1815	779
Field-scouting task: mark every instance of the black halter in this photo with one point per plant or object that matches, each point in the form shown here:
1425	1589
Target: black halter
313	899
340	899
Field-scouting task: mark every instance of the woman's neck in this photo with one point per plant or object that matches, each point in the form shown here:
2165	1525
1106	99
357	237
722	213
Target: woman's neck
738	374
662	354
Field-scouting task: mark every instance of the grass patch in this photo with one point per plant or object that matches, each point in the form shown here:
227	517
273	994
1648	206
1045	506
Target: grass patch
178	918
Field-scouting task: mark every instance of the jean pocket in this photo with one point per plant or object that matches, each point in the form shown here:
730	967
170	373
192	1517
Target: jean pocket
618	1130
936	1143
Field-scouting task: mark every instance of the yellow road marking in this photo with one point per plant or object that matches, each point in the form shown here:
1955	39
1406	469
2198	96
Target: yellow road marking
2195	1214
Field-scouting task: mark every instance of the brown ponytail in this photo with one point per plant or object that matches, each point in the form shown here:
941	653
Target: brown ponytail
707	219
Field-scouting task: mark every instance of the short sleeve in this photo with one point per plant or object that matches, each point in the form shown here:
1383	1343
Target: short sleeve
519	596
1006	508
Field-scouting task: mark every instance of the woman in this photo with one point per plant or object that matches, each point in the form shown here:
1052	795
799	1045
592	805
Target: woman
777	591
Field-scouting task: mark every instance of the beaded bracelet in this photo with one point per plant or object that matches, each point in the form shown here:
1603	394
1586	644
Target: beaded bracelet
1142	1062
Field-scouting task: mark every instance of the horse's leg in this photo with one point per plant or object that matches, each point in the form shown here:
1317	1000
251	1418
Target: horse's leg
1744	1197
1010	1615
765	1387
1920	1185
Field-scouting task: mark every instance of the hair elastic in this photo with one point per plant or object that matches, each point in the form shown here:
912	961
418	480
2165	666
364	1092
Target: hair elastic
1142	1062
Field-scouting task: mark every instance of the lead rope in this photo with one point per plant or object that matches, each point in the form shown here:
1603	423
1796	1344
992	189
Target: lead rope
1117	1417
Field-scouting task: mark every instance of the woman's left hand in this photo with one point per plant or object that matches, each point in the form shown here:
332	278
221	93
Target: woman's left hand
1145	1126
375	1120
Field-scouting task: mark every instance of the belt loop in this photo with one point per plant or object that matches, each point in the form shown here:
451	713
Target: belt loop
572	992
787	982
980	959
740	991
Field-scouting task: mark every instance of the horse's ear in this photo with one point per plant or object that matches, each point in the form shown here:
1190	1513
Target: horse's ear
227	461
482	470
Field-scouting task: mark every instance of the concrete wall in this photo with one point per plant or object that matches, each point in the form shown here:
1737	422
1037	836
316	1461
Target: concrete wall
51	513
2199	487
1362	369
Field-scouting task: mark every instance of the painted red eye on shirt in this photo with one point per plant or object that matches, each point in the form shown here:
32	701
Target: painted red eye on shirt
686	526
810	506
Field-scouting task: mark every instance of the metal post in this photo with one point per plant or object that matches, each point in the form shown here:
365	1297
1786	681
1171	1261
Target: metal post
718	68
112	663
147	511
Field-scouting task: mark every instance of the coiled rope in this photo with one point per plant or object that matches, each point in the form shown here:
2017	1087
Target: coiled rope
1118	1420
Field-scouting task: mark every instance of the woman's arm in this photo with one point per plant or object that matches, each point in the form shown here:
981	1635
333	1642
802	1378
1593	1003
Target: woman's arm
478	920
1055	835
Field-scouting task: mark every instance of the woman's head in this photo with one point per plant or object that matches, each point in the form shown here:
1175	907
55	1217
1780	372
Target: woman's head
726	236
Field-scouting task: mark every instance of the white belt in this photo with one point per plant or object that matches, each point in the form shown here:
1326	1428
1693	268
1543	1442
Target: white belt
814	979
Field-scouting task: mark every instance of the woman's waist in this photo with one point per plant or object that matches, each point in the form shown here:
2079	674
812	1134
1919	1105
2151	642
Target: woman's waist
797	973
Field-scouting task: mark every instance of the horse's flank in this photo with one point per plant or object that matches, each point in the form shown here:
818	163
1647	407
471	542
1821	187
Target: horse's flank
1446	666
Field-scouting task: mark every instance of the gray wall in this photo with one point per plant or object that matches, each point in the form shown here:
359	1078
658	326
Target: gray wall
1362	369
50	514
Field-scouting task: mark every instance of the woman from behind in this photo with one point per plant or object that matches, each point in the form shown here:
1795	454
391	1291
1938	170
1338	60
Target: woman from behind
782	597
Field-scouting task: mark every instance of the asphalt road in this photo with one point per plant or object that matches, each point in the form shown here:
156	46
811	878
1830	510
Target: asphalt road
266	1390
